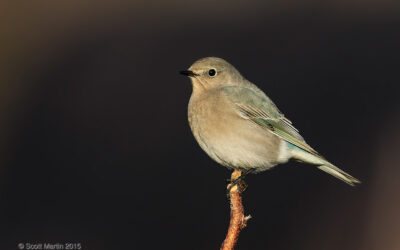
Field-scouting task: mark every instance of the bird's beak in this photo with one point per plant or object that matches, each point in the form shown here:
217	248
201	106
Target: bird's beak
188	73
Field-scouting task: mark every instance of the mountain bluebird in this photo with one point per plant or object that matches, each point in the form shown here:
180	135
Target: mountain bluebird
239	127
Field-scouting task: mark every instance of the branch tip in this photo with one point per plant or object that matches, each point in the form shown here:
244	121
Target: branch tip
238	220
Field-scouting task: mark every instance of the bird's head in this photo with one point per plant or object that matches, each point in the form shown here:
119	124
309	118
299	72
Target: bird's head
212	72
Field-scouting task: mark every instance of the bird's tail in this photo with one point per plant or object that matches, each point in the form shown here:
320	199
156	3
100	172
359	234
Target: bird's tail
324	165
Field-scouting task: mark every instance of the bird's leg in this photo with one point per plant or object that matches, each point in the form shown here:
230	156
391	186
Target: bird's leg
239	181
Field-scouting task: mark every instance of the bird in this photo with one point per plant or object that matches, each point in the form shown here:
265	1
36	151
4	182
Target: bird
240	127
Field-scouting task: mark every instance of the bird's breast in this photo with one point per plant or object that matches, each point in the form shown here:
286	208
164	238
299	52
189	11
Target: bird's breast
228	138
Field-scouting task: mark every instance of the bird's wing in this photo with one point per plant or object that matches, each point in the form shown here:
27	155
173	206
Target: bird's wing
254	105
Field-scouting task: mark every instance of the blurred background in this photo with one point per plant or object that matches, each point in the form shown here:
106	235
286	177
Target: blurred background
95	146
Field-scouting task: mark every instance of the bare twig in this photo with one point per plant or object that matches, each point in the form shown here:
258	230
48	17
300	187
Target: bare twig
238	220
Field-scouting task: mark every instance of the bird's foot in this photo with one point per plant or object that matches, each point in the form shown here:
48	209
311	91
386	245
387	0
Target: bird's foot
242	186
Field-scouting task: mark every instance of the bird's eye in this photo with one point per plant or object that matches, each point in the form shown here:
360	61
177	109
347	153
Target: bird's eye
212	72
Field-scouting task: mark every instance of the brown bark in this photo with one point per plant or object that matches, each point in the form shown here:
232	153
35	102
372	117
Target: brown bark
238	220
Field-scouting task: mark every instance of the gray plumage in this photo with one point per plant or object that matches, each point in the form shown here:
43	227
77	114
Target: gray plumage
239	127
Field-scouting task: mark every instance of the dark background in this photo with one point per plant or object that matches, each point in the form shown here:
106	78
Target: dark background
95	147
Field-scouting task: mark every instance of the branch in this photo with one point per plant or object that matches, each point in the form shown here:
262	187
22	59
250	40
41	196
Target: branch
238	220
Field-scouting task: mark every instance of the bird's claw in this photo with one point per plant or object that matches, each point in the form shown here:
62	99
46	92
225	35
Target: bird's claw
242	186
